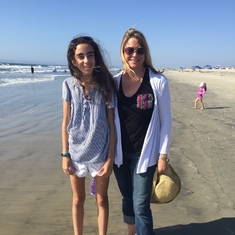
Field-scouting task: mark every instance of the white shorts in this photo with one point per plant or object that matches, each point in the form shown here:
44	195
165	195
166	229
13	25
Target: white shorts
83	169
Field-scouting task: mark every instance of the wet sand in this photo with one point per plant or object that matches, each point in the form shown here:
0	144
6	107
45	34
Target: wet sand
35	195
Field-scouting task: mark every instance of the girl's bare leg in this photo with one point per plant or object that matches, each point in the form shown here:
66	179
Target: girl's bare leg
195	103
202	104
102	203
79	195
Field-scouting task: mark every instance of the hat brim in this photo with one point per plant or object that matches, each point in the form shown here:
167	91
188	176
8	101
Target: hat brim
166	186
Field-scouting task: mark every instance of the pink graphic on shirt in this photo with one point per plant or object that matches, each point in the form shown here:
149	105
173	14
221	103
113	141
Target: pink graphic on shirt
144	101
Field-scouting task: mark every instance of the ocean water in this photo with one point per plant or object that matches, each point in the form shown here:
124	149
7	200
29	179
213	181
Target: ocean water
13	73
25	94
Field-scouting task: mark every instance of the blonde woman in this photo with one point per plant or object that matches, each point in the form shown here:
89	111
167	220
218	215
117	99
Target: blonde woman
143	123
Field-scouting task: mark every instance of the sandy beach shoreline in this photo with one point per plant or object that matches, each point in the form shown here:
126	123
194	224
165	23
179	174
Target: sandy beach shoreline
35	195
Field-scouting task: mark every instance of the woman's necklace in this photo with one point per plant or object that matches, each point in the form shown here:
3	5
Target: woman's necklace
138	75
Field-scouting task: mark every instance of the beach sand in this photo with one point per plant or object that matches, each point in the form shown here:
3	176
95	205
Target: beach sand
35	195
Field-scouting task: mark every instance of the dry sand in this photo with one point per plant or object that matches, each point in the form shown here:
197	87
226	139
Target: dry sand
202	152
35	196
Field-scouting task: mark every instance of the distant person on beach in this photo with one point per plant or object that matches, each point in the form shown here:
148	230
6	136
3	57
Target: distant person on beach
88	127
202	89
32	69
143	136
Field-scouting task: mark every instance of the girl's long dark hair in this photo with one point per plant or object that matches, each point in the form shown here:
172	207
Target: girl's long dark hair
103	78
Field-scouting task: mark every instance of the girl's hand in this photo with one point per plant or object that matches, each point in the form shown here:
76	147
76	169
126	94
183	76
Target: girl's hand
67	166
107	169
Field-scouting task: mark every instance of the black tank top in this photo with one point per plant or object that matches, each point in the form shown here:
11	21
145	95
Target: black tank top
135	114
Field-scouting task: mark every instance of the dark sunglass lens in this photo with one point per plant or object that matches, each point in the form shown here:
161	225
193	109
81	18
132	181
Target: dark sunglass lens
87	38
81	39
140	51
74	41
129	50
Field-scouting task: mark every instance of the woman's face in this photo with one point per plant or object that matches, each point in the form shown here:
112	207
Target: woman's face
135	60
84	59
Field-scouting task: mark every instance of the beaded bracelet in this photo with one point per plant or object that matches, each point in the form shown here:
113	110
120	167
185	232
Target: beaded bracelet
65	155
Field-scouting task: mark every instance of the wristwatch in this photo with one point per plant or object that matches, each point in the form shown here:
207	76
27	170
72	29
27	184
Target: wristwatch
164	159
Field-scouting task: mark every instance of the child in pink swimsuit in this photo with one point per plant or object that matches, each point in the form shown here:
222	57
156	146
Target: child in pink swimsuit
202	89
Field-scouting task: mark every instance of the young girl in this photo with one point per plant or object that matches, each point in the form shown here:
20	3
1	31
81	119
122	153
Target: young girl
202	89
88	127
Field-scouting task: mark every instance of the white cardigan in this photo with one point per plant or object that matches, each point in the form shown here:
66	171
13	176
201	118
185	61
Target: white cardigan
157	139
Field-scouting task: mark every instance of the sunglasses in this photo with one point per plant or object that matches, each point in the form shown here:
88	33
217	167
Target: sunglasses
81	40
131	50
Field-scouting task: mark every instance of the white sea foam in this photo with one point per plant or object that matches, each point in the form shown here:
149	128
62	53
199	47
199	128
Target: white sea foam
13	74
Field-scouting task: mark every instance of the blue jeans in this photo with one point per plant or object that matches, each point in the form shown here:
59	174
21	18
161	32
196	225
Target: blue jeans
136	192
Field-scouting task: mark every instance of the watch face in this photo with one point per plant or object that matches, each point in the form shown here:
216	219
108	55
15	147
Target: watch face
164	159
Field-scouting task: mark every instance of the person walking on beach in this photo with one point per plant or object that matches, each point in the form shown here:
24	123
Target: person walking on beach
143	125
202	89
88	127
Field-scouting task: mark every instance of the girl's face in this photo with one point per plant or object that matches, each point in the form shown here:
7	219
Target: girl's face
84	59
135	60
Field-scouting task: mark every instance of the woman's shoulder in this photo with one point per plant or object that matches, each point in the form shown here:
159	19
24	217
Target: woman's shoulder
118	75
117	78
157	77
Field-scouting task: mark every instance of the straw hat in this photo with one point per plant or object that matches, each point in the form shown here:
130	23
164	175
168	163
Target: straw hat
166	186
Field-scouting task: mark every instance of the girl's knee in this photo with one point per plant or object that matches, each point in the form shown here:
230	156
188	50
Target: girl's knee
102	201
78	200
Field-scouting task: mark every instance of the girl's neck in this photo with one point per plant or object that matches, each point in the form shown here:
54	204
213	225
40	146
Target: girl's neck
87	85
87	79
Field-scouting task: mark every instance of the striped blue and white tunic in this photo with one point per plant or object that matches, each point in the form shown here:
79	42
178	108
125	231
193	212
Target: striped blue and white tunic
88	128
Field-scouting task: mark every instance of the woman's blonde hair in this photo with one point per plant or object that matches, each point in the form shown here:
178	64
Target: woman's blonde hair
133	33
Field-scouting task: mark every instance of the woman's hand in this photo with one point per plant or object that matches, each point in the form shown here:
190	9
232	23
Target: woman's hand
162	163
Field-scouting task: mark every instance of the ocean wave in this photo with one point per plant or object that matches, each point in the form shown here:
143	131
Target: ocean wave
9	81
18	73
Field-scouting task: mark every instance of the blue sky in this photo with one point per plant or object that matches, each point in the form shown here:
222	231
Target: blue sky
179	32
